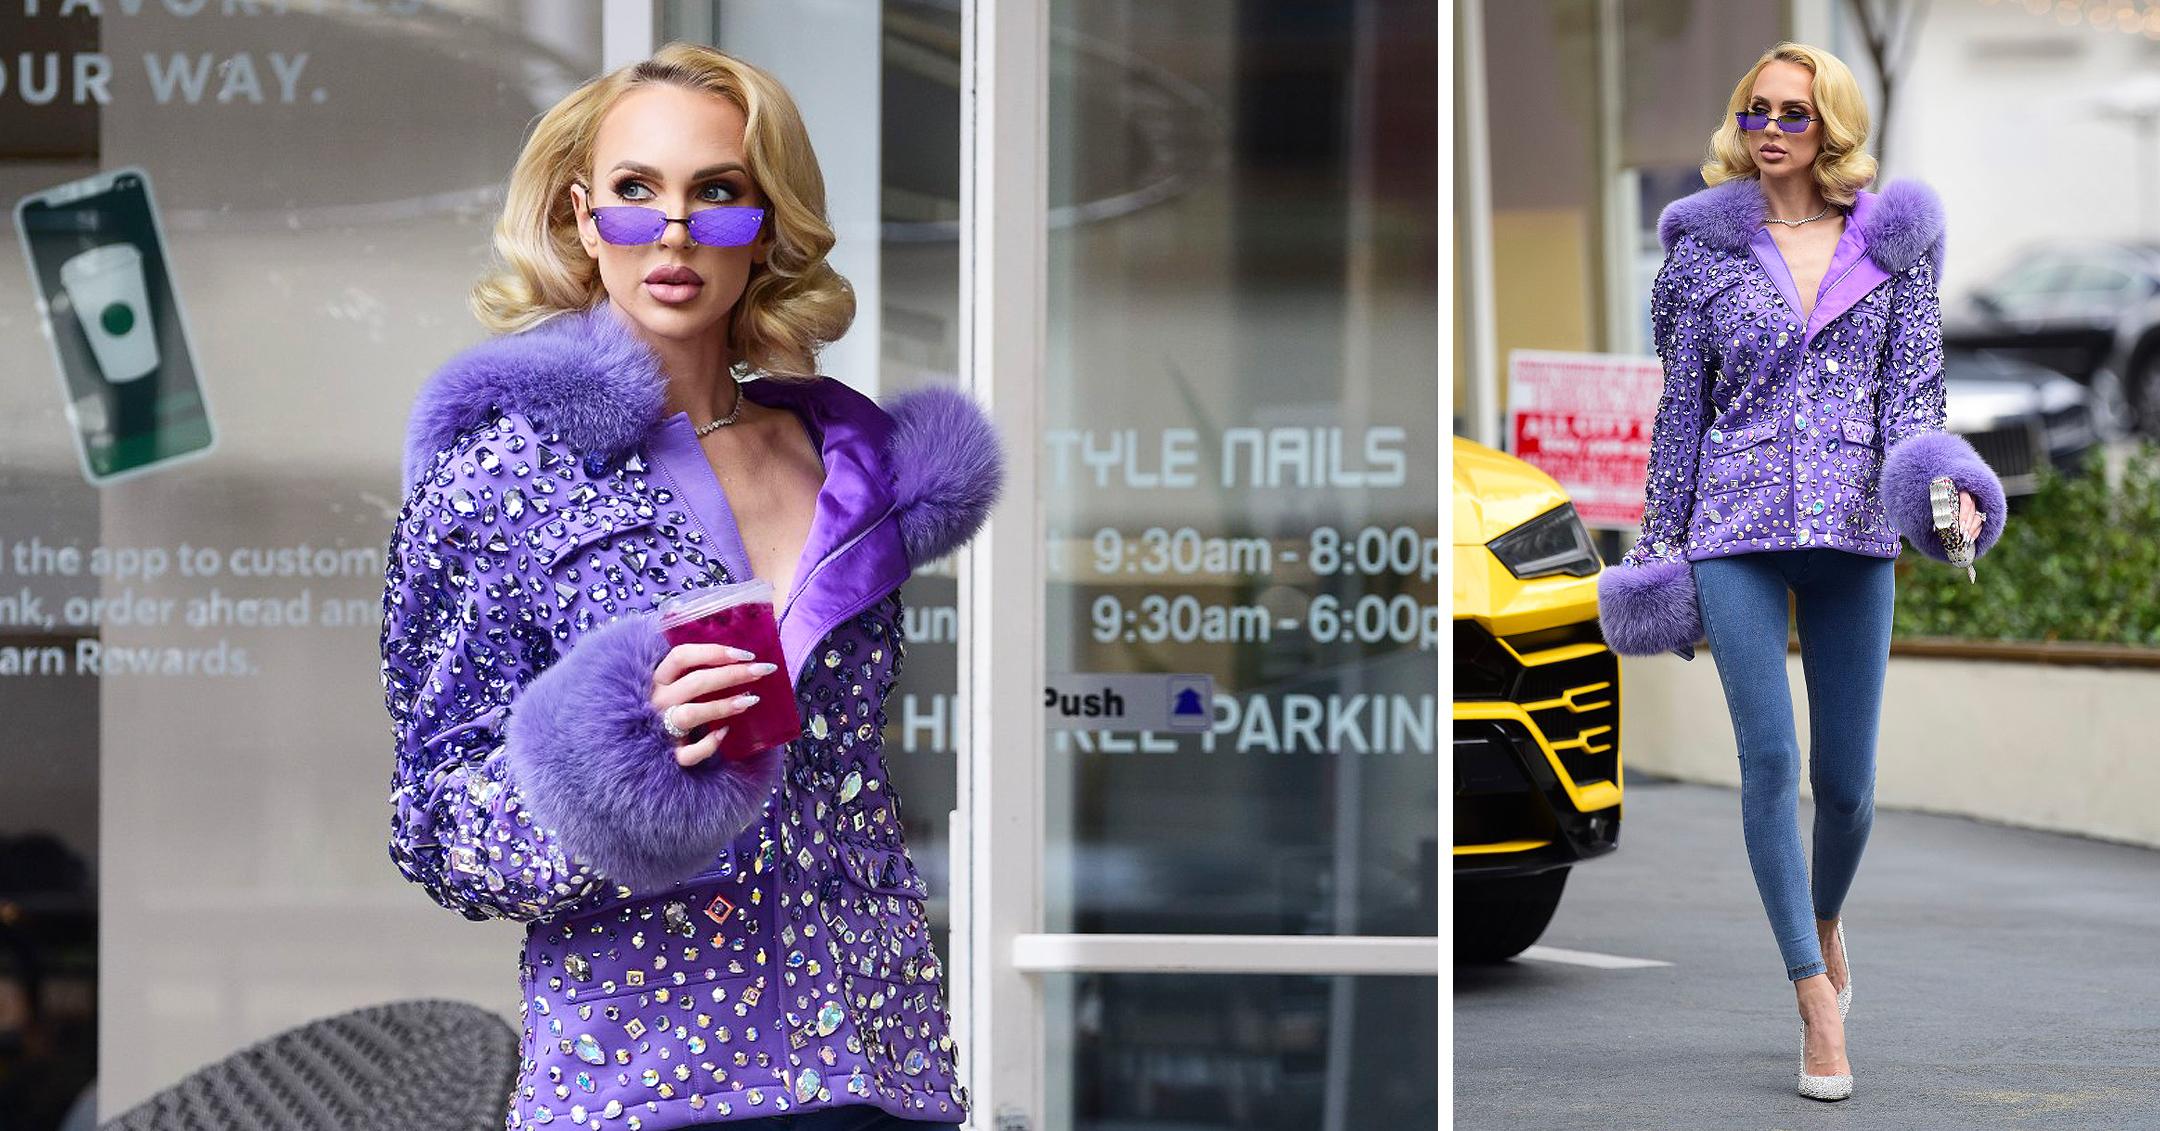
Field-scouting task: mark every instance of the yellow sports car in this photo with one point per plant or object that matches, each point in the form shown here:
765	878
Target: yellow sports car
1537	703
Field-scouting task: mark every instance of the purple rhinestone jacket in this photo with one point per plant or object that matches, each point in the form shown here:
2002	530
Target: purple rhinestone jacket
704	945
1775	429
1784	430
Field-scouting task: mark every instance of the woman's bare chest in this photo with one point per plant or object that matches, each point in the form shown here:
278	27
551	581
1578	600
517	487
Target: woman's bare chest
771	482
1807	258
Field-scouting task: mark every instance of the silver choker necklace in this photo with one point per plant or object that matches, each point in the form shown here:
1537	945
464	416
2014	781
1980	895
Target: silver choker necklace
1796	223
735	374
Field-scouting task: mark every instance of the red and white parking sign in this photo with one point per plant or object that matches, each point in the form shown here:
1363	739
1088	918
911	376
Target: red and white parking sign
1584	419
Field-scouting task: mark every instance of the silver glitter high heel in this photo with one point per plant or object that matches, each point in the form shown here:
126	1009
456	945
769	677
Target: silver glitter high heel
1835	1087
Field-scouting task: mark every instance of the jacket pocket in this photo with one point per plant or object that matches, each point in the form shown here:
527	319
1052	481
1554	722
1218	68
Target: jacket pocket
558	539
880	870
485	721
1871	315
1733	458
1855	461
874	911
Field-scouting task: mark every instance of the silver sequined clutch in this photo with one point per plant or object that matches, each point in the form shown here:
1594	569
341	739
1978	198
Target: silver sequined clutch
1943	496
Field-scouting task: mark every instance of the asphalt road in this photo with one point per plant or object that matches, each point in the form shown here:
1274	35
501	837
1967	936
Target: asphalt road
2001	978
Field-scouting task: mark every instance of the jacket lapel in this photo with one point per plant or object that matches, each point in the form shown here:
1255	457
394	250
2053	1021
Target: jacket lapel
1772	261
1853	271
853	554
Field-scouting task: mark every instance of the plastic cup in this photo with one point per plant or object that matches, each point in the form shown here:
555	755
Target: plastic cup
739	615
112	303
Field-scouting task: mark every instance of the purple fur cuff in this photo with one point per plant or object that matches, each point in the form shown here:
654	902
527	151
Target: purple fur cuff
1915	460
1650	608
586	746
948	468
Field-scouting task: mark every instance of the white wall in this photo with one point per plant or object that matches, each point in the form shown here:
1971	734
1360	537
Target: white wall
2060	747
1998	112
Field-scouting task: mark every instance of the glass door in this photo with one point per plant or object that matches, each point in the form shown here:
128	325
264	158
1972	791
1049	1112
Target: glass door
1201	270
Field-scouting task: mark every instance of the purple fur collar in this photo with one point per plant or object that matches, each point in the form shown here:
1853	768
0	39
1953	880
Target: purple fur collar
578	372
585	374
1901	223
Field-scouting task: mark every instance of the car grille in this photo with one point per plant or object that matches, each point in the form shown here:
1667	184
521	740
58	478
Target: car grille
1494	800
1574	703
2014	452
1483	669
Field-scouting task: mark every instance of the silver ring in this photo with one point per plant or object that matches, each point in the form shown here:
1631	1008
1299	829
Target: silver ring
667	723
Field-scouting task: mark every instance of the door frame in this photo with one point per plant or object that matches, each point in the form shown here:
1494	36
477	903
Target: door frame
997	825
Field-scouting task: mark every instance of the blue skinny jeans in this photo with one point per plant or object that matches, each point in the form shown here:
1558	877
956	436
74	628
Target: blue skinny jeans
1844	603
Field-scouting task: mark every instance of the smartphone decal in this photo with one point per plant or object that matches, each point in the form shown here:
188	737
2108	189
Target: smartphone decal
111	314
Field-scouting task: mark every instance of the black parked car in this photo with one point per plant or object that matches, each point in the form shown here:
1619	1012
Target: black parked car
2018	414
2089	309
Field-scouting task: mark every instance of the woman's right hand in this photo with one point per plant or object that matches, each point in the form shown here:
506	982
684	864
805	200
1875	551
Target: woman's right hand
692	671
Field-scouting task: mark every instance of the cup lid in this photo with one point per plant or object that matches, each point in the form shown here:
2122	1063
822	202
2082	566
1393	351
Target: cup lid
691	604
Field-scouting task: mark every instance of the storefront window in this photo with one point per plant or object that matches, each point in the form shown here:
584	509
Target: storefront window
1238	473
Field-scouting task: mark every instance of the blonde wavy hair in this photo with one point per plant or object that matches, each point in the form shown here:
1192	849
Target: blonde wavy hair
1842	165
794	302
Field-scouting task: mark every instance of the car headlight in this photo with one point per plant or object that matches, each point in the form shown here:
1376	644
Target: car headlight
1553	542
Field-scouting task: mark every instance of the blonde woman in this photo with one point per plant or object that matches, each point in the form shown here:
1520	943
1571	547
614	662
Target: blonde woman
1798	319
713	936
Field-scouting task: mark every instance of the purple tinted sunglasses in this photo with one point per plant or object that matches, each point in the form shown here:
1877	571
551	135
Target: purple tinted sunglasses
731	226
1791	121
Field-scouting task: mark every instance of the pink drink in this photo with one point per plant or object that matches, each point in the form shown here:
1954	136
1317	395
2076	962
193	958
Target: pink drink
740	615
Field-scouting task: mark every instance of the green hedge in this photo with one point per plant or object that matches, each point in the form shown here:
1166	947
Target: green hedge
2078	561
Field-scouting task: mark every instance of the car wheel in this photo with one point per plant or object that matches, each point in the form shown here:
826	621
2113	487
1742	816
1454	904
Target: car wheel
1496	918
